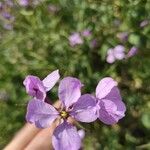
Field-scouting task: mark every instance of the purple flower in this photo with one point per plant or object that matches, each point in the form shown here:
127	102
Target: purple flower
115	54
123	36
144	23
81	108
86	33
37	88
8	26
133	51
8	16
110	108
24	2
119	52
75	39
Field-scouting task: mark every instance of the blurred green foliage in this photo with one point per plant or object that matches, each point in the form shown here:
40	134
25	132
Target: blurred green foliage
38	44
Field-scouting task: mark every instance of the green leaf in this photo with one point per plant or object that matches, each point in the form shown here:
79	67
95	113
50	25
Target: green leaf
26	13
135	39
146	120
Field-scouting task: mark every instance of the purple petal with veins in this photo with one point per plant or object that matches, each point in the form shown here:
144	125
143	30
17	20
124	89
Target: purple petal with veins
51	80
41	113
69	91
66	137
104	87
84	109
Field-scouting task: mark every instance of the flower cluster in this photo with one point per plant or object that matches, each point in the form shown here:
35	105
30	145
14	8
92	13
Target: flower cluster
6	14
25	3
106	106
118	53
77	38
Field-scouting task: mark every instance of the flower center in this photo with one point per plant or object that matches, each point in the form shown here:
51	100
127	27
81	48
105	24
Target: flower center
64	114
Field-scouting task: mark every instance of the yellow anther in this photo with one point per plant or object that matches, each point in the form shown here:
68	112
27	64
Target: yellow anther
63	114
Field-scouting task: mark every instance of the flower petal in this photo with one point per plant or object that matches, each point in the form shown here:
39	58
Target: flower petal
34	87
104	87
110	59
115	96
84	109
133	51
66	137
51	80
40	113
112	109
119	52
69	90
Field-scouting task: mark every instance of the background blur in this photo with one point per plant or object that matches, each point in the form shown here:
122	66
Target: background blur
34	39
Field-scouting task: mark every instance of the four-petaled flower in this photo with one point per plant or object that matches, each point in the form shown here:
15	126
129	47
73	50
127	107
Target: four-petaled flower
116	53
81	108
75	39
110	108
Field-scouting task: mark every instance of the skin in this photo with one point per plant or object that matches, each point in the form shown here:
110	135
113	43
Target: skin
32	138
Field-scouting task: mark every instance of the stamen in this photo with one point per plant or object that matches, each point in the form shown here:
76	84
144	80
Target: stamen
64	114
